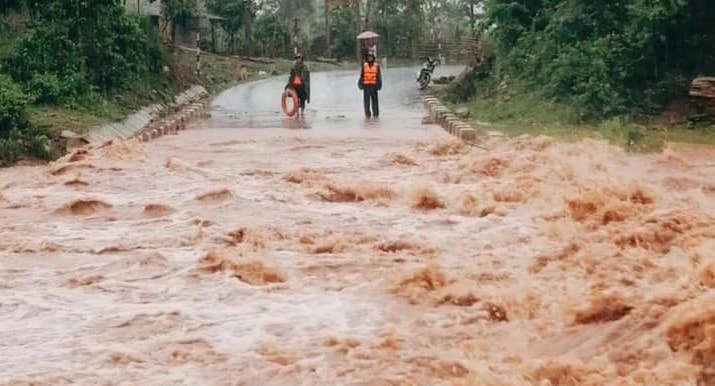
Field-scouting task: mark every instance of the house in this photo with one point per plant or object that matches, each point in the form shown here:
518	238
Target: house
185	36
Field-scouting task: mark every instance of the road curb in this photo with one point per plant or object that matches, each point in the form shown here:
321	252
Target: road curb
156	120
174	123
441	115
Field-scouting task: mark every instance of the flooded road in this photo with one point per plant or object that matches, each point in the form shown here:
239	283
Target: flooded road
336	102
242	252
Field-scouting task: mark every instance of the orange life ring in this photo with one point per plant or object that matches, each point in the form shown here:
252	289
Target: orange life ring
289	92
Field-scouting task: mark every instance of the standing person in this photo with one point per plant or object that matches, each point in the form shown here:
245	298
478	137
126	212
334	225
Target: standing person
299	79
370	83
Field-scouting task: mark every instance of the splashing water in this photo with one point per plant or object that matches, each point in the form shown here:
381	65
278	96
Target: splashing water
206	259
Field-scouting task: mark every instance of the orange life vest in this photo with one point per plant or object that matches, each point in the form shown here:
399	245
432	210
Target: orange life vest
369	74
297	81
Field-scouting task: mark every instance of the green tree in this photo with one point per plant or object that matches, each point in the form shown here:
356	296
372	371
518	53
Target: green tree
606	57
13	106
233	11
178	12
343	31
401	23
74	46
271	35
9	5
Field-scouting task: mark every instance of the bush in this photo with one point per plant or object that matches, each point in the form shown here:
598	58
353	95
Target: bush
44	88
69	90
10	149
17	137
46	50
13	107
72	52
605	58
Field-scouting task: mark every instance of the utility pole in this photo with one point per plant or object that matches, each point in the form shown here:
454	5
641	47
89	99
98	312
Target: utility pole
296	36
328	48
198	55
247	25
439	36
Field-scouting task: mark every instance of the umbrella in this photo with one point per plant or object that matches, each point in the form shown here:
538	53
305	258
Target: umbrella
367	35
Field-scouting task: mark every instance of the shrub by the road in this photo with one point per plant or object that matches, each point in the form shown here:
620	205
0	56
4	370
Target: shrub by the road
603	58
74	51
71	54
17	137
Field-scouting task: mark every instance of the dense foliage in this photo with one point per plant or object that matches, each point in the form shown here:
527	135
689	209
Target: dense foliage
343	31
271	35
77	47
180	11
17	137
71	53
403	24
233	12
604	57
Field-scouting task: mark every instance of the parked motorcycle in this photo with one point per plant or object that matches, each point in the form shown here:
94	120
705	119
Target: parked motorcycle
425	75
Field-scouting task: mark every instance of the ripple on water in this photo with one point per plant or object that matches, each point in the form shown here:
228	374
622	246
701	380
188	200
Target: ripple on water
84	207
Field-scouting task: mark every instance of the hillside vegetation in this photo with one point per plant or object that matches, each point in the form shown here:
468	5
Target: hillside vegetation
74	65
593	63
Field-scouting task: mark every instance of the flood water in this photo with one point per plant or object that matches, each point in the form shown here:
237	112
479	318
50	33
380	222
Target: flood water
245	252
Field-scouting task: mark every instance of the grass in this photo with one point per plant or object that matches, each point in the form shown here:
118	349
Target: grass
77	120
528	114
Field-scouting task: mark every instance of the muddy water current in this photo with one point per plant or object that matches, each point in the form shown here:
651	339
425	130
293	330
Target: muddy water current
394	256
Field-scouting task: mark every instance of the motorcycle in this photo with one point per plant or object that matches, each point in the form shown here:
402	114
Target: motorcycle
425	75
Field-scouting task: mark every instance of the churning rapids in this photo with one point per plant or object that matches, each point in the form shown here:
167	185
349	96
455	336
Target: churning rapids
384	256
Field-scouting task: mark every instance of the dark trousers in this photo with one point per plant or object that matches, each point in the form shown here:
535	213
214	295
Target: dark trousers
370	98
300	91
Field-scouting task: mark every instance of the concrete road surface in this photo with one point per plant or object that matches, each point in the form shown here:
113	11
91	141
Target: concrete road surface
336	102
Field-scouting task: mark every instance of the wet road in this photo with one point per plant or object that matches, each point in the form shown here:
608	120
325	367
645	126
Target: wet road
336	102
242	252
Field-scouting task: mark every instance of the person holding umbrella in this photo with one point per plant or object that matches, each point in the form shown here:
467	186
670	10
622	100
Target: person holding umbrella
370	83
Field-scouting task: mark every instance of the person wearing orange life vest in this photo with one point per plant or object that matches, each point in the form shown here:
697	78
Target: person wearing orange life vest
299	80
370	83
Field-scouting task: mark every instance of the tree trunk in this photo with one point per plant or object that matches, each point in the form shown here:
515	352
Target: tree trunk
213	36
367	14
359	28
247	27
328	48
472	20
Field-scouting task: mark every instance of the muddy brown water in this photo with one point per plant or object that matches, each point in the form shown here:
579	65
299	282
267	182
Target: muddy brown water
358	256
